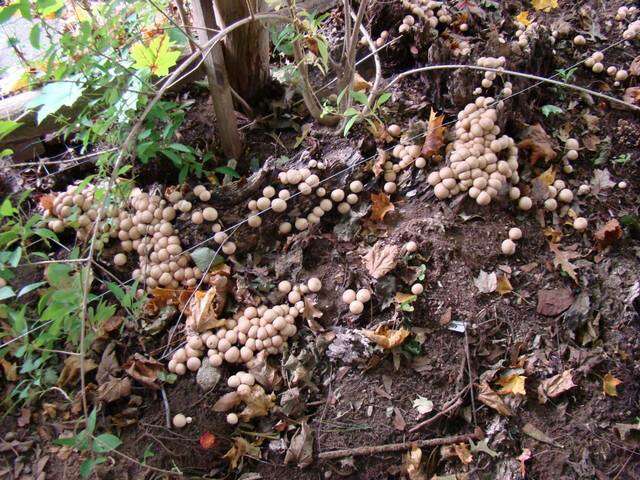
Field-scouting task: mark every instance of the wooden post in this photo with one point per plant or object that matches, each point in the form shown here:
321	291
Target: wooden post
226	123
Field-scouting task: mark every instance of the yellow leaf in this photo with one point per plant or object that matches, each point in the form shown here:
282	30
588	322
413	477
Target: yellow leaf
258	403
523	18
387	338
239	449
504	285
404	297
411	463
548	176
512	385
609	384
544	5
380	206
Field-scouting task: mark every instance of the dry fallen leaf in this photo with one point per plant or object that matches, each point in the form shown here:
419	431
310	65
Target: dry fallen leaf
512	385
386	338
463	453
608	234
538	144
144	370
544	5
634	67
434	138
114	389
490	398
70	373
378	164
523	18
411	464
238	450
632	95
10	370
524	456
227	402
609	384
552	303
562	259
301	447
258	403
380	259
486	282
360	84
555	386
380	206
504	285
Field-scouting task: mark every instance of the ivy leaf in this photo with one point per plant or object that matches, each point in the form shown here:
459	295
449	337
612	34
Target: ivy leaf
157	57
551	110
54	96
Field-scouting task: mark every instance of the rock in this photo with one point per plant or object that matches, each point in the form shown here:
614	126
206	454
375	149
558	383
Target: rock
208	376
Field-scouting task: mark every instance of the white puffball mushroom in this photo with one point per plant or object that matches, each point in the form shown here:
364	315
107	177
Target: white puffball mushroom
597	67
268	191
579	40
550	204
284	286
229	248
254	221
193	363
584	189
337	195
390	187
394	130
263	203
278	205
348	296
411	246
514	193
417	288
356	307
233	381
525	203
180	421
571	144
580	224
120	259
314	284
565	195
622	185
356	186
344	208
232	418
420	163
508	247
515	233
210	214
572	155
363	295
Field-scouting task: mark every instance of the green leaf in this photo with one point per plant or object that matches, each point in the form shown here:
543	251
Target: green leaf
204	257
551	110
91	421
8	126
34	36
7	12
47	7
157	57
6	292
30	288
181	148
227	171
360	97
350	124
105	443
87	466
382	99
6	209
54	96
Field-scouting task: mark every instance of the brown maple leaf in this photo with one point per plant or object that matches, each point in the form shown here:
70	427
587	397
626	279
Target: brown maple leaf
562	259
380	260
538	144
434	138
608	234
380	206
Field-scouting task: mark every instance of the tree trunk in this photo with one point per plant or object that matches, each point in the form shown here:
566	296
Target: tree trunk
226	123
246	49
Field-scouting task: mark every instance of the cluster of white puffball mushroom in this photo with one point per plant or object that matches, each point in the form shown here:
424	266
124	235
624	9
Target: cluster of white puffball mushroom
480	162
77	208
571	146
508	246
489	77
407	155
429	11
356	300
248	333
626	13
595	63
242	383
307	183
557	192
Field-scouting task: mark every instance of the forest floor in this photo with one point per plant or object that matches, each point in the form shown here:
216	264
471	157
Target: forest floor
540	350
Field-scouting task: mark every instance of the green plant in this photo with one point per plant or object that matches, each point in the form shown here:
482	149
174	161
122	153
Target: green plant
551	110
566	74
94	446
622	159
362	111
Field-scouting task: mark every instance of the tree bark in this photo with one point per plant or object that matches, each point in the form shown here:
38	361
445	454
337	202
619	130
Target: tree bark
226	123
246	50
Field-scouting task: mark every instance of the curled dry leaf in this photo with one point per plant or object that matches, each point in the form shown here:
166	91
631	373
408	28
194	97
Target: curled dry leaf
227	402
538	144
634	68
378	164
608	234
203	314
524	456
380	206
238	450
144	370
301	447
411	464
434	137
491	399
504	285
610	384
310	313
632	95
70	373
114	389
512	385
463	453
386	338
555	386
486	282
258	404
380	259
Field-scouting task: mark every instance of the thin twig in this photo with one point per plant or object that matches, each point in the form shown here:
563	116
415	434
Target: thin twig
396	447
452	404
470	373
167	410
